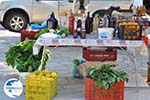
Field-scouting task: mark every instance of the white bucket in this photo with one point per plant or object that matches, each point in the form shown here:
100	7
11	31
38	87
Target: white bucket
105	33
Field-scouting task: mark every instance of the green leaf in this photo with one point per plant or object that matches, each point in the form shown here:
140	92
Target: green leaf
104	83
107	86
105	75
30	69
21	55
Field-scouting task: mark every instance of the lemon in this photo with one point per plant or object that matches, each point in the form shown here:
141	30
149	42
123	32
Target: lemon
41	74
32	76
50	79
45	72
37	72
48	75
53	74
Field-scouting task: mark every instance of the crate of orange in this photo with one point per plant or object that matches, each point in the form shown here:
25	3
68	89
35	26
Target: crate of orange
42	85
104	83
130	31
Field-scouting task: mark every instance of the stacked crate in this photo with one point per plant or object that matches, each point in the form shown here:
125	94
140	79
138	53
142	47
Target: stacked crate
96	56
99	54
95	92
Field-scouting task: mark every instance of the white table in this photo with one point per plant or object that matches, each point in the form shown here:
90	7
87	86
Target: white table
89	41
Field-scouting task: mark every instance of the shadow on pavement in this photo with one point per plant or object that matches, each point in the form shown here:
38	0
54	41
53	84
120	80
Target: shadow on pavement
1	27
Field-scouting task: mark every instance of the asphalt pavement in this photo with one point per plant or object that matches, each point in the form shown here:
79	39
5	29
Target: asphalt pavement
61	61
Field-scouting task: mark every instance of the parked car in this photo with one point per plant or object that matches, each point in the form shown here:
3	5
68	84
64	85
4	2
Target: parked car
16	14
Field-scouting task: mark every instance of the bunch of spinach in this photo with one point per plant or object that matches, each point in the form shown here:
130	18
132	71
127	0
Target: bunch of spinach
105	75
20	56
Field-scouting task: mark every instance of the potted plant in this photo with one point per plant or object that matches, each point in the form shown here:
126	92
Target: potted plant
104	82
20	56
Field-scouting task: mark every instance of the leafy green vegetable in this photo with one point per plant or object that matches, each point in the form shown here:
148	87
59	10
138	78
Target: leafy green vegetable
45	30
21	57
105	75
63	30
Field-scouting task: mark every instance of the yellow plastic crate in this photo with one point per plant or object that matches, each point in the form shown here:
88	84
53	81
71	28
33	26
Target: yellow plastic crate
41	89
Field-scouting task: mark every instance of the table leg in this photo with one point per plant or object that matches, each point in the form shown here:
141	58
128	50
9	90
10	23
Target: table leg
41	65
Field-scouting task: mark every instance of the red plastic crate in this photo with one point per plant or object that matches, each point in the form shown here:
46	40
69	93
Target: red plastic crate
100	54
28	34
94	92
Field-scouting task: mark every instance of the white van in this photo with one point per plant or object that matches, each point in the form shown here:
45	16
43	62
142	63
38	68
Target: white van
16	14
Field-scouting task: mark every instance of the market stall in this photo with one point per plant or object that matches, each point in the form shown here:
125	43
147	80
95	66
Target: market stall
117	30
91	41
